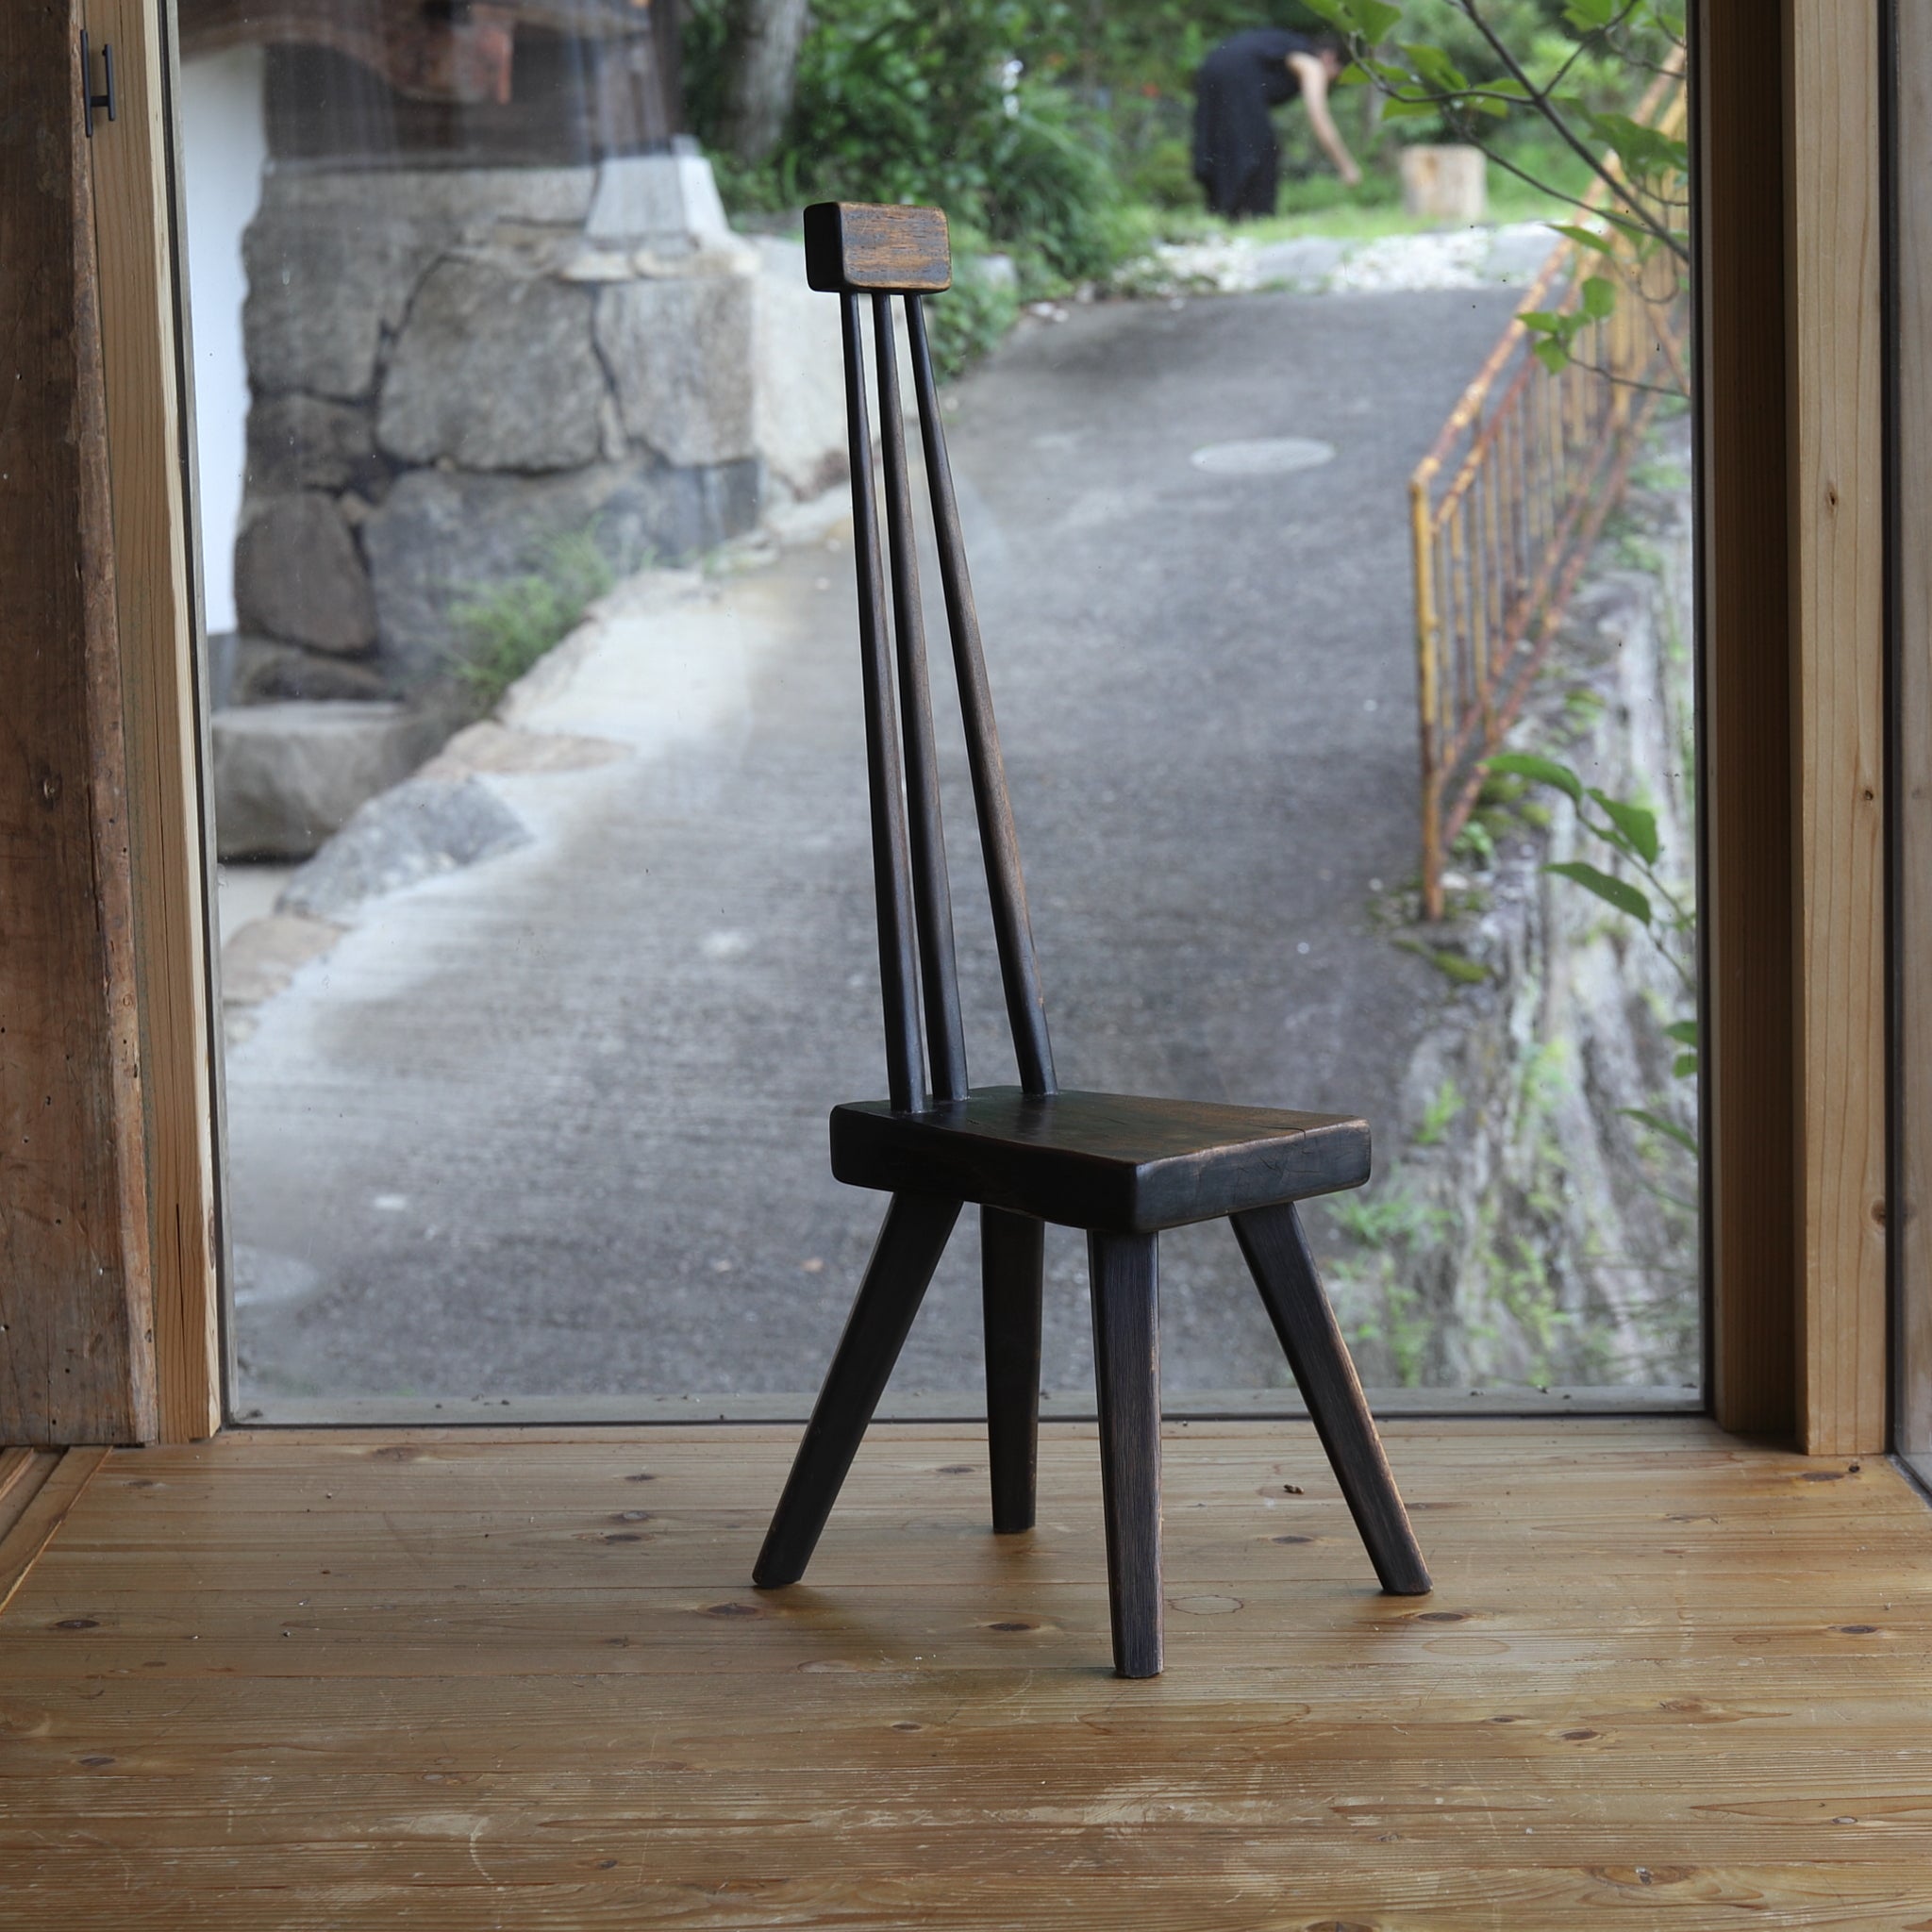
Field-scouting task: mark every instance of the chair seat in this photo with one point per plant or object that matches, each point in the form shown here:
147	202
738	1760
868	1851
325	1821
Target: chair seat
1116	1162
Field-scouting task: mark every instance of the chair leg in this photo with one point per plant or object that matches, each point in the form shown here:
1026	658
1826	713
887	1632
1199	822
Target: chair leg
907	1250
1125	1270
1284	1269
1012	1250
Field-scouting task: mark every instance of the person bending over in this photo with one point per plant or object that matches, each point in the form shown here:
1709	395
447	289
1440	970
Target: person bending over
1236	157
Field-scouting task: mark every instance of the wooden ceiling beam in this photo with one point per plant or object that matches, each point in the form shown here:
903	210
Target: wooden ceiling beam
427	53
461	57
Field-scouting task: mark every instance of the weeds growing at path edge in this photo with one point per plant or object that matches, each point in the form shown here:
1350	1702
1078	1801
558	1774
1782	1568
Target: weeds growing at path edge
504	631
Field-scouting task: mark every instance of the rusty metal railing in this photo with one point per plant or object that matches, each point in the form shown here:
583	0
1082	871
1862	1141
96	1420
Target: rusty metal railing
1507	506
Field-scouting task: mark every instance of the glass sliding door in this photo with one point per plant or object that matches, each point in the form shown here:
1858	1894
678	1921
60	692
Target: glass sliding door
1340	627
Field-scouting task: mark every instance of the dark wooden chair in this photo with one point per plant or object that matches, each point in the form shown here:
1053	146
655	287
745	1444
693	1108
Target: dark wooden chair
1118	1166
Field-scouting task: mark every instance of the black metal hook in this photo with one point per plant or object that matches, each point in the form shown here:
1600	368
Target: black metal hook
88	100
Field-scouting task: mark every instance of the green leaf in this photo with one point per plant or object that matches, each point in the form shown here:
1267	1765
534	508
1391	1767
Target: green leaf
1585	237
1591	16
1684	1065
1476	103
1643	151
1637	824
1683	1031
1399	110
1435	67
1599	297
1553	356
1658	1124
1371	19
1374	18
1612	891
1525	764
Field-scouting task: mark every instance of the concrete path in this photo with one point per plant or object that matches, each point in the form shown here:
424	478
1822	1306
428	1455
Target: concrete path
554	1123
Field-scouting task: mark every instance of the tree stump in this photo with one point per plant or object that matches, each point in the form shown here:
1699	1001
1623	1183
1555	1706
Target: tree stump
1444	184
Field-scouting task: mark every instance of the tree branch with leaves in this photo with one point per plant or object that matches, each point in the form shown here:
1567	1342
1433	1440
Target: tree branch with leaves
1638	229
1630	833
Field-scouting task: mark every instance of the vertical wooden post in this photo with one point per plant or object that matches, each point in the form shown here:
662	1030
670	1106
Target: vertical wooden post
1749	1123
1911	1220
133	174
76	1312
1837	477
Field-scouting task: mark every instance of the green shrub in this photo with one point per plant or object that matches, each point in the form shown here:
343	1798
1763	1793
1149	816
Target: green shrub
1053	195
1162	174
968	320
902	101
924	100
505	629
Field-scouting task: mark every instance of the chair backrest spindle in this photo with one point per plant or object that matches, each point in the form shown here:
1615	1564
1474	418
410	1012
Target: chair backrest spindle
892	869
852	249
999	841
945	1033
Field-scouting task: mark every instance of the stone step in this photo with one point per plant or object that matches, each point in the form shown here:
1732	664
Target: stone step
287	776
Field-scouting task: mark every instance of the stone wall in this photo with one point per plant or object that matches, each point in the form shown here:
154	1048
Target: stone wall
452	369
1523	1230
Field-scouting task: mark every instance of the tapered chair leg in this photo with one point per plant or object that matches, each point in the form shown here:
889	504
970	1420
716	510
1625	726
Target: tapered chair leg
1284	1269
1125	1275
907	1250
1013	1253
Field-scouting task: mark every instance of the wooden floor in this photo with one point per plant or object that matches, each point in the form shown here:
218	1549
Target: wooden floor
457	1679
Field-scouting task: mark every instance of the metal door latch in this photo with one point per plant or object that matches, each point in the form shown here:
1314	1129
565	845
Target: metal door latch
89	99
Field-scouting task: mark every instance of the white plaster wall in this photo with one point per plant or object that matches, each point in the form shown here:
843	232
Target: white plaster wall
223	151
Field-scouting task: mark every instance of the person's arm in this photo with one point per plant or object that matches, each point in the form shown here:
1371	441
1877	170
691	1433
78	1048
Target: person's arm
1314	82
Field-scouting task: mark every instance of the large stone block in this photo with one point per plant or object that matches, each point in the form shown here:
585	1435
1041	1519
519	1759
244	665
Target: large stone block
262	672
303	442
417	831
322	289
287	775
299	576
441	537
471	201
334	255
799	399
680	350
495	369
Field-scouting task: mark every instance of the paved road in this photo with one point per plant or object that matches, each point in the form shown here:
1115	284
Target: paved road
555	1124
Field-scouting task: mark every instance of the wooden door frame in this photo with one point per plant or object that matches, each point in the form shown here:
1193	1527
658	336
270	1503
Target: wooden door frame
1794	898
1792	463
149	400
1909	744
1836	116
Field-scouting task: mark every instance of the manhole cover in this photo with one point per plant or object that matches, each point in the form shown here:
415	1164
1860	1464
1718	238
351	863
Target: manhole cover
1263	455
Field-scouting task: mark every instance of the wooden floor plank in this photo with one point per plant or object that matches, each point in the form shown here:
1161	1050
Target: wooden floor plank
46	1484
487	1678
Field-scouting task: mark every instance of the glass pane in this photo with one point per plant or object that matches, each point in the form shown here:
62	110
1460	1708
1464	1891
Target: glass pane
540	766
